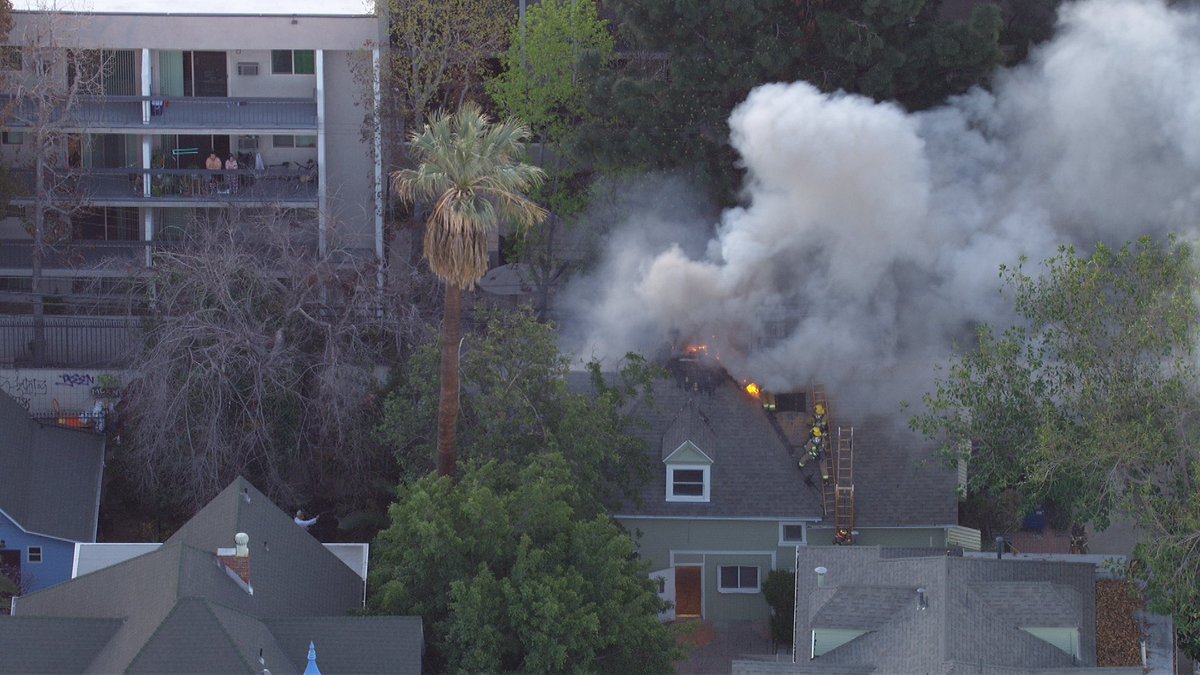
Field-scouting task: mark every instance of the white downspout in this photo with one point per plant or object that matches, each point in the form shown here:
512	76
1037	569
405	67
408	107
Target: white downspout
146	153
377	140
322	183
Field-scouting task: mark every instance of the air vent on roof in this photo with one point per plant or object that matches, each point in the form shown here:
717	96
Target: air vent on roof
247	68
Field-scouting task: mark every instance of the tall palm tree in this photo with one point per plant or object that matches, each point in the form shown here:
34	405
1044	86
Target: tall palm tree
470	168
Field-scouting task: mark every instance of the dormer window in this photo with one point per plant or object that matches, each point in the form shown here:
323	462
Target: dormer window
688	482
688	450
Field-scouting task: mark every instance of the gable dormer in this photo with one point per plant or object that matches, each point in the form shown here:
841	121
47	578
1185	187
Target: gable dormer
688	450
689	474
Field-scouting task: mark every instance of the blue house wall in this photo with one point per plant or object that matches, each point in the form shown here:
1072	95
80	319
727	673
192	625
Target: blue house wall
57	555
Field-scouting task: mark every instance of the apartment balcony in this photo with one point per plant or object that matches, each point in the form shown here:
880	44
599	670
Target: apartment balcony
285	187
178	114
83	259
75	259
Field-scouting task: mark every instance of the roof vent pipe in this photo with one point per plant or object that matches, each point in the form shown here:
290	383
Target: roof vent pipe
922	602
821	572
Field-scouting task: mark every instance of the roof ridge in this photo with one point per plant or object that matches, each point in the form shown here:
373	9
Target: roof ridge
166	619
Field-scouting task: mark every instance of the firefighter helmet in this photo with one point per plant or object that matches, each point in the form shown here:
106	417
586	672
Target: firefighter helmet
819	410
816	432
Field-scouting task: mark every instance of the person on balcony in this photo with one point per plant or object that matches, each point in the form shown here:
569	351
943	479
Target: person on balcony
231	164
213	163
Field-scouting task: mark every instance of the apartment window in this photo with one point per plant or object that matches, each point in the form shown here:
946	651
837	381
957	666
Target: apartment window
12	137
294	141
737	579
293	61
792	534
687	483
34	554
10	58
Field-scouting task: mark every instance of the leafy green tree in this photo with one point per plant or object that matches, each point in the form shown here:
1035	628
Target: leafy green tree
1088	401
899	49
470	168
512	569
541	82
687	65
516	405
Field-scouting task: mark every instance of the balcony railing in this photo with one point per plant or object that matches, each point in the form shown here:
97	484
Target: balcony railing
179	112
80	254
76	341
274	185
91	258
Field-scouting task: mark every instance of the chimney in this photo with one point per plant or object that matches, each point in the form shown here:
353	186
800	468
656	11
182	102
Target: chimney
922	602
236	561
821	572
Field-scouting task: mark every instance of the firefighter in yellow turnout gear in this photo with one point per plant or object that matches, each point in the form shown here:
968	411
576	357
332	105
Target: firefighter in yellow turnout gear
818	438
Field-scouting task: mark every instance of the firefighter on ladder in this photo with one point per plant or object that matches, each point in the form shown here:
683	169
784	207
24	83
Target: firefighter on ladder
815	449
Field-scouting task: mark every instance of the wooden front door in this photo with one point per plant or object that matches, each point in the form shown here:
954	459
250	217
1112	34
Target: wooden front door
687	592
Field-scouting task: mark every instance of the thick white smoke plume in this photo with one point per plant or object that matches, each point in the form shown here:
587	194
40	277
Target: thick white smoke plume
873	236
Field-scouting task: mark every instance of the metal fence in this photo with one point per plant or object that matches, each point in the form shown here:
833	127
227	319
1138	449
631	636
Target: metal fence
71	341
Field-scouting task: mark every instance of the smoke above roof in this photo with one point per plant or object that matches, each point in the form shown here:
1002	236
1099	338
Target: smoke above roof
874	236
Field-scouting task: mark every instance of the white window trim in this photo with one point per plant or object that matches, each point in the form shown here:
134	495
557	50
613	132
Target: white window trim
757	580
793	523
41	554
672	468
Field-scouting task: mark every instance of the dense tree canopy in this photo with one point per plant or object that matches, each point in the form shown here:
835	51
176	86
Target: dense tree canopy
1089	402
516	405
512	569
688	64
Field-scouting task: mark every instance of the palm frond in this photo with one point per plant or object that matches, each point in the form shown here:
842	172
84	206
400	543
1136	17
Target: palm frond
470	168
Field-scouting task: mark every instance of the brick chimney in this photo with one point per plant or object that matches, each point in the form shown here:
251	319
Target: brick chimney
236	561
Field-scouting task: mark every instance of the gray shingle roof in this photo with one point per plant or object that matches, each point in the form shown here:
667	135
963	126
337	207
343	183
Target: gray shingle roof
39	465
897	479
690	424
49	645
346	644
179	611
975	610
753	475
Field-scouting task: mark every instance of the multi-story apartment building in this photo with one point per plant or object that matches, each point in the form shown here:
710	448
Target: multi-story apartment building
271	84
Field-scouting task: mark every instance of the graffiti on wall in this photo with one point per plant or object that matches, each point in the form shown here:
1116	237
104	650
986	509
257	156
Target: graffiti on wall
75	380
23	389
37	389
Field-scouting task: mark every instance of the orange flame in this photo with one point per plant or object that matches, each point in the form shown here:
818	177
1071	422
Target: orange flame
696	349
753	390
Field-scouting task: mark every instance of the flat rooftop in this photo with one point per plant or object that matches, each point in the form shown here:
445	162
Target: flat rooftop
204	7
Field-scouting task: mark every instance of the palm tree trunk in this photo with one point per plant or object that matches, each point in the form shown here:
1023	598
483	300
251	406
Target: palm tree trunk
448	403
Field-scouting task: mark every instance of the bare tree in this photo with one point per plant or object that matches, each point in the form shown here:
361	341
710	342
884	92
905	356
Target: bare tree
14	582
435	56
45	105
260	359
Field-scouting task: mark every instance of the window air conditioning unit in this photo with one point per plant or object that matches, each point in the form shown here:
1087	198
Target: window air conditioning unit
247	142
247	68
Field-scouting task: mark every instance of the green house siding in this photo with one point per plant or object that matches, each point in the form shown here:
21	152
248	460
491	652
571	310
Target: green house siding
907	537
665	543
